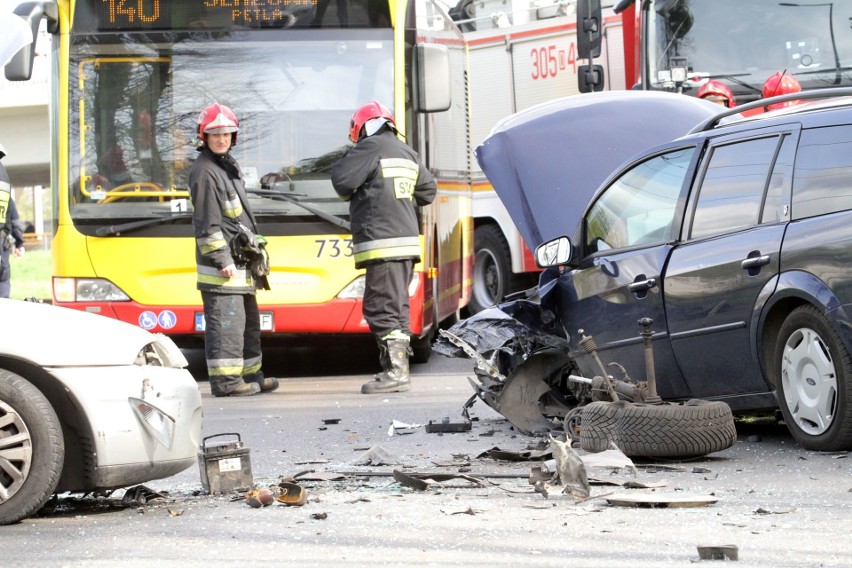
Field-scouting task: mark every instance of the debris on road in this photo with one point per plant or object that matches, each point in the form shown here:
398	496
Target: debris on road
570	469
291	494
258	498
376	455
445	426
723	552
660	500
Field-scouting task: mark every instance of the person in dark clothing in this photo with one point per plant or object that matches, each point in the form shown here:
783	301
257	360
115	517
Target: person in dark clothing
384	181
11	233
221	217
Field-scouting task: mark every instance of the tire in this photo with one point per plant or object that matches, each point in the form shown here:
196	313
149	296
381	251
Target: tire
693	429
815	381
32	450
491	269
421	348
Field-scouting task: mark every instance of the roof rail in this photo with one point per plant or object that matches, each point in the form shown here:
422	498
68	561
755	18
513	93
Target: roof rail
815	94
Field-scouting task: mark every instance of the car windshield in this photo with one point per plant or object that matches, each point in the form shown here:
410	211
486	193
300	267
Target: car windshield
743	43
133	124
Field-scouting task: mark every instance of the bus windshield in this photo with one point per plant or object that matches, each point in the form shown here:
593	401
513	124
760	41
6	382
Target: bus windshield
743	43
136	100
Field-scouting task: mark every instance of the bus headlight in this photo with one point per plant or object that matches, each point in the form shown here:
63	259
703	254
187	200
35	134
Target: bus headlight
355	289
87	290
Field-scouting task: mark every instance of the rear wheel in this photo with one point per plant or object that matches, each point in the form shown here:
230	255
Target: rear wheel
692	429
32	450
491	268
814	387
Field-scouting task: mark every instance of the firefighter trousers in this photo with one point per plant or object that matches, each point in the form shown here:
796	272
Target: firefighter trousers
386	306
231	341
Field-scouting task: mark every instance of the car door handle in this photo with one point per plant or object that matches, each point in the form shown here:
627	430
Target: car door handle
642	285
755	262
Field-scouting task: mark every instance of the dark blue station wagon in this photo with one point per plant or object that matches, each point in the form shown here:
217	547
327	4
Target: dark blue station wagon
736	240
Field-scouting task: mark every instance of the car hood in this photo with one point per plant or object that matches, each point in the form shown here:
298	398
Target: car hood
52	336
547	162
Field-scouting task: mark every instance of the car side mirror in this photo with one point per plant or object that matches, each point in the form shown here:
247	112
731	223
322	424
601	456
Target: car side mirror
553	253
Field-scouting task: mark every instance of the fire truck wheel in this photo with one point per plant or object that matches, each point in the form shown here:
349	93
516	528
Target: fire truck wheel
421	348
694	428
31	447
491	268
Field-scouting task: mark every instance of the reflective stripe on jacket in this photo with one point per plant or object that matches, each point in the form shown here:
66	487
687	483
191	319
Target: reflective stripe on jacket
218	194
384	181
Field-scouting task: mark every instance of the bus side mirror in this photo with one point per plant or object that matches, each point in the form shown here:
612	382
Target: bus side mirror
589	29
432	88
20	67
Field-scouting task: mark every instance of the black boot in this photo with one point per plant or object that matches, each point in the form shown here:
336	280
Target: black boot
384	360
397	378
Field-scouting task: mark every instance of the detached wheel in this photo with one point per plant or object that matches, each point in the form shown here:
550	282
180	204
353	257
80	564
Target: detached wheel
695	428
814	388
32	449
491	268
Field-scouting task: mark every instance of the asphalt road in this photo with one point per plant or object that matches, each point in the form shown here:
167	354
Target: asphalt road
779	504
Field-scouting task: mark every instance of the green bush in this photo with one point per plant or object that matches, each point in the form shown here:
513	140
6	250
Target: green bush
31	275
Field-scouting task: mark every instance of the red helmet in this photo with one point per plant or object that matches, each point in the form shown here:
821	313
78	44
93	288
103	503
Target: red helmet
367	112
781	84
218	119
717	92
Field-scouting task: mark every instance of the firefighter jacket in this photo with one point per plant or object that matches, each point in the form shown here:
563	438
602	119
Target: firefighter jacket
219	203
5	197
384	181
11	228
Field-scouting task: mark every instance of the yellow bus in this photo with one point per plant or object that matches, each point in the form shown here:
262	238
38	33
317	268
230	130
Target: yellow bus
129	78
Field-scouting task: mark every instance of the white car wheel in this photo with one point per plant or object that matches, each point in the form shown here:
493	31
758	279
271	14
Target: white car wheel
32	450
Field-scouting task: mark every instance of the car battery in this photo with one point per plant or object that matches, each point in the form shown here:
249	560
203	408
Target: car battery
224	466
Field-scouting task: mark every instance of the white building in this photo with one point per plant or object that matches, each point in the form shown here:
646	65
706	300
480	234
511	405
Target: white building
25	134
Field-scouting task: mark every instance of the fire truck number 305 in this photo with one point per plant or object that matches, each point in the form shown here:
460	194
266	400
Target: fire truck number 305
549	61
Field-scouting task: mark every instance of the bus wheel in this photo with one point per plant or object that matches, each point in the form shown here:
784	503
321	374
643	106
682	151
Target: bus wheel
31	447
491	271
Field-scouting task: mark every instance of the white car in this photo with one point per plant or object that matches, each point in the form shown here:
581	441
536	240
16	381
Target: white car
88	403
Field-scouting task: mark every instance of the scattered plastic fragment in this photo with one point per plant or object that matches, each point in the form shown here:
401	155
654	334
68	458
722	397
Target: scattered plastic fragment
376	455
291	494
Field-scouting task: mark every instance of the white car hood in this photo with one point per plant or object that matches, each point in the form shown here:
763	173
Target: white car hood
52	336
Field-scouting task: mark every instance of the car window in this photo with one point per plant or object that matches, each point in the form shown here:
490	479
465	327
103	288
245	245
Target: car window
731	193
639	207
776	208
823	174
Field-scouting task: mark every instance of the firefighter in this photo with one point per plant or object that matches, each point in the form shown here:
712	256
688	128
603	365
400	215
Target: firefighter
384	181
781	84
717	92
11	233
232	333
